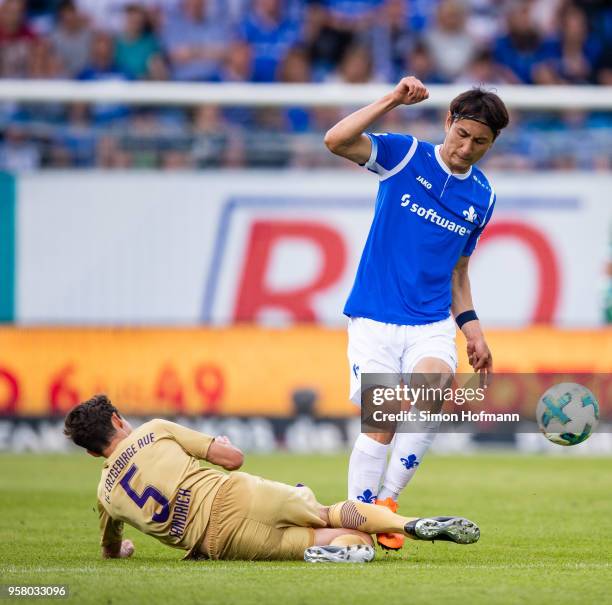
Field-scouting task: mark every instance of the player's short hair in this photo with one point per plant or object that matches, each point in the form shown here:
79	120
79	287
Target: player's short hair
482	106
89	423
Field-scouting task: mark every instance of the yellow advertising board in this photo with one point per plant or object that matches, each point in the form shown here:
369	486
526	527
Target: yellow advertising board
238	370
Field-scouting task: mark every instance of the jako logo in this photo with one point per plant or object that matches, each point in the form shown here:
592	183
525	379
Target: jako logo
423	182
470	215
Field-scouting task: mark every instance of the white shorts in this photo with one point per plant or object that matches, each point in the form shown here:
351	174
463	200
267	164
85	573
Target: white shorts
382	348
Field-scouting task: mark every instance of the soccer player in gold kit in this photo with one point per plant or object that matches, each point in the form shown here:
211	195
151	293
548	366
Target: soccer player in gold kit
152	480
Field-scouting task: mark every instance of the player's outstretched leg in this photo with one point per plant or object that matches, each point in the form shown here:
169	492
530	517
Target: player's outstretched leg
374	519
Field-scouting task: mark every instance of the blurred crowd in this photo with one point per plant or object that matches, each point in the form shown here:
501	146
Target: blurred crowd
293	41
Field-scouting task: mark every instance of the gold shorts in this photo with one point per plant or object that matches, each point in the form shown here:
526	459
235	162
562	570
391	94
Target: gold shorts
253	519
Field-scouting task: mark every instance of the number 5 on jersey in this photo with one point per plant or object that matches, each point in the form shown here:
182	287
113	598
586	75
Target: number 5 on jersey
149	492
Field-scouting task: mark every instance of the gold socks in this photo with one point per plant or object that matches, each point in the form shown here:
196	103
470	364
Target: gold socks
369	518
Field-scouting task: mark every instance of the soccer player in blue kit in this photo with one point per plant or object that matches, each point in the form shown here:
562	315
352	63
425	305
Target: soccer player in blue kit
433	203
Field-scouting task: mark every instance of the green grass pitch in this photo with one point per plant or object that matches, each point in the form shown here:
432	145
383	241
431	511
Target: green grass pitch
546	537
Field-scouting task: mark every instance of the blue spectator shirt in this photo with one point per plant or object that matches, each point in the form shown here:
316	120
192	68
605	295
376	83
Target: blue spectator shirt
103	113
180	31
425	219
352	9
591	52
522	62
270	44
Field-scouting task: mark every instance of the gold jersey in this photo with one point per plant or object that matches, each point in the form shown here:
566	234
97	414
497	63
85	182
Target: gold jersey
154	482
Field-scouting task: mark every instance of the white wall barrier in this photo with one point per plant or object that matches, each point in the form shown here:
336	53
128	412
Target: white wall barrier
182	248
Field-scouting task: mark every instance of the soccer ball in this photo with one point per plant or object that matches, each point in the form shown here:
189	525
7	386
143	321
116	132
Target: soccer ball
567	413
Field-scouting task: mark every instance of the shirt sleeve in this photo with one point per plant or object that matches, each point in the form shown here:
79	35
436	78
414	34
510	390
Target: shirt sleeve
388	150
472	241
194	443
111	530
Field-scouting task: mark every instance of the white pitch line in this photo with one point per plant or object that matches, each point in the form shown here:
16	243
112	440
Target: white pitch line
215	566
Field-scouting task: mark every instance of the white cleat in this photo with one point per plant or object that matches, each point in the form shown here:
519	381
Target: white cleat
454	529
359	553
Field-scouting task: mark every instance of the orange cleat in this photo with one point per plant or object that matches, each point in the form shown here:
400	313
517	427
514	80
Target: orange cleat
389	541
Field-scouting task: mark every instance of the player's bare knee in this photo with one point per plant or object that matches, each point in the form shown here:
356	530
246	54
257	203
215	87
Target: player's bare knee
431	373
434	366
384	431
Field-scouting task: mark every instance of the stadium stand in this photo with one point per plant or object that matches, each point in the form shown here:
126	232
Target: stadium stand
353	41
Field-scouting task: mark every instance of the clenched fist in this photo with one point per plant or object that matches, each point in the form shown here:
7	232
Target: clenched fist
410	91
122	550
127	549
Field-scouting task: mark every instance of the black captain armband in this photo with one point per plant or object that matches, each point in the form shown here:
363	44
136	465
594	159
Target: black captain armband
464	317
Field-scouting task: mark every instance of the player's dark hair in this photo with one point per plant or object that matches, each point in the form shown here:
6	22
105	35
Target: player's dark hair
89	423
482	106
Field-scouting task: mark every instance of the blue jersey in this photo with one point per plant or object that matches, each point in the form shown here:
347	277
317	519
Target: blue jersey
425	219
